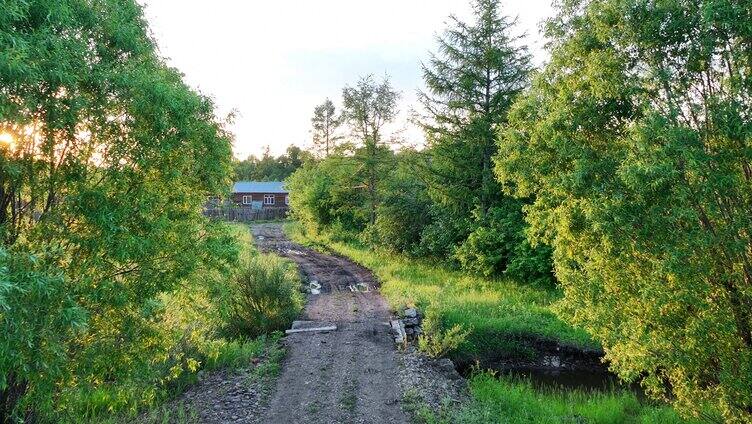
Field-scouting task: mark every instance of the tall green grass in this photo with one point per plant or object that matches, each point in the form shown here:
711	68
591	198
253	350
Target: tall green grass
515	401
497	312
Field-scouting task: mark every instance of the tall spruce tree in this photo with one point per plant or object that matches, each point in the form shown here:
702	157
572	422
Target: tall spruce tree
471	81
479	69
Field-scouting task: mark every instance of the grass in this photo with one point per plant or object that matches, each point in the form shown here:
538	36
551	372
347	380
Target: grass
515	401
499	313
192	326
180	414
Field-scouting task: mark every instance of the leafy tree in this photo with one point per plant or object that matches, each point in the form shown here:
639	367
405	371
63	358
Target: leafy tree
636	143
270	168
367	107
401	215
478	71
323	196
110	157
325	123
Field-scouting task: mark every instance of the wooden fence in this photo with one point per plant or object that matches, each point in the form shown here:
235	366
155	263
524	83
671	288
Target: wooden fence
244	214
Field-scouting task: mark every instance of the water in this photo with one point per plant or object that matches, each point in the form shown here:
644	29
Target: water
568	379
562	372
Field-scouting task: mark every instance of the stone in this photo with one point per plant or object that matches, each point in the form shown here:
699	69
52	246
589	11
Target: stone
411	322
411	313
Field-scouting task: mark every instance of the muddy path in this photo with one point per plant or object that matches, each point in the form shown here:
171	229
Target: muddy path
350	375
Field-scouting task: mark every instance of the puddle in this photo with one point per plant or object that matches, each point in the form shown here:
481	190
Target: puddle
555	372
542	378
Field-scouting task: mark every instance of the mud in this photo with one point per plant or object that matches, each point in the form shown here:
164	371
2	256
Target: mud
353	374
345	376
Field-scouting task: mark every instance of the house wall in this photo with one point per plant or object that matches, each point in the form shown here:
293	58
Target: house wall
279	199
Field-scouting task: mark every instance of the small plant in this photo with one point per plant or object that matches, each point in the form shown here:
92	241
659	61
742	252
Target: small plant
265	297
436	341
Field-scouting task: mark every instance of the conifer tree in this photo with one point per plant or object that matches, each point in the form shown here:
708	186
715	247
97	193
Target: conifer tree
479	69
471	81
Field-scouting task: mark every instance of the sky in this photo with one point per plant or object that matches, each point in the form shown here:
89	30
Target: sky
273	61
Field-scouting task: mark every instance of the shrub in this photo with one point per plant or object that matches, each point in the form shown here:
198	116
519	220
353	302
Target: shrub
401	215
324	194
499	246
266	296
437	342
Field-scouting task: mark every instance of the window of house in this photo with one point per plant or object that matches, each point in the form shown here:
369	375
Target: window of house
247	200
268	199
287	200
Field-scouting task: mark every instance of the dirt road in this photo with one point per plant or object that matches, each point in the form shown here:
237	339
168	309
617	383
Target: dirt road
350	375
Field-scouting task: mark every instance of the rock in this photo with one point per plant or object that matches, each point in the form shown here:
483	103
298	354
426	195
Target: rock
445	365
411	322
411	313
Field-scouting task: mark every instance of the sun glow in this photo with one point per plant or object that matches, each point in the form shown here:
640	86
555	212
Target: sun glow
7	139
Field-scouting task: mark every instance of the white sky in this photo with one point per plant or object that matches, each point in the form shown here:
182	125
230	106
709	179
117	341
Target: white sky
272	61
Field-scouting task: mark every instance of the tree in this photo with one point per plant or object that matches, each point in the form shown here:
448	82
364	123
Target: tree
270	168
367	108
325	123
109	158
478	71
471	82
636	143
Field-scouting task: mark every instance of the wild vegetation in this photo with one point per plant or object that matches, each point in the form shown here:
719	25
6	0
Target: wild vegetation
601	201
519	402
112	282
501	314
268	167
612	185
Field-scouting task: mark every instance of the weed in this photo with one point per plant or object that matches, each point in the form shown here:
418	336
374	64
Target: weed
436	341
349	399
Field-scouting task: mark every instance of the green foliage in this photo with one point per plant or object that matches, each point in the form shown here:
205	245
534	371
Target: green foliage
323	195
401	215
266	296
499	246
366	108
37	320
635	141
269	168
479	69
100	203
508	400
325	123
437	341
498	313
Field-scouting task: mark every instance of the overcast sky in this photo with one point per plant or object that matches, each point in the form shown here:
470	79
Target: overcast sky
273	61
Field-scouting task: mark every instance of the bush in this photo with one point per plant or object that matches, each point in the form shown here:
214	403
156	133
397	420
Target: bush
499	246
401	215
323	195
266	296
437	342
